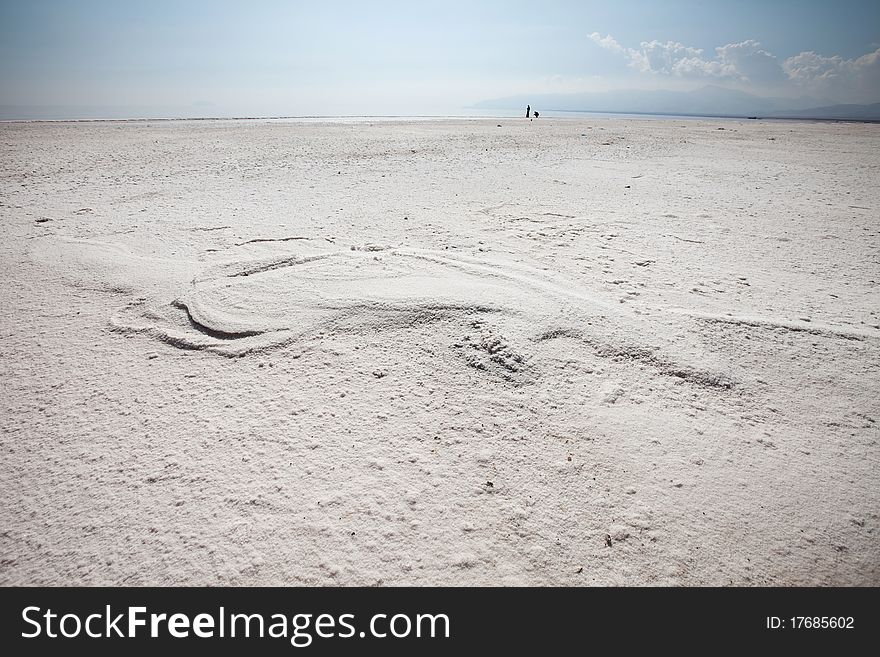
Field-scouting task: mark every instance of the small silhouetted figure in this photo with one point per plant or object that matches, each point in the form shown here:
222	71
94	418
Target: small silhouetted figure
528	110
536	114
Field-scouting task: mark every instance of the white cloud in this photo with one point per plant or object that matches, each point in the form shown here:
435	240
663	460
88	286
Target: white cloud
859	78
751	63
607	42
746	63
670	58
735	60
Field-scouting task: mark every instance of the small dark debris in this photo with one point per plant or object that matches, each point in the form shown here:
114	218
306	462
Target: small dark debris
607	540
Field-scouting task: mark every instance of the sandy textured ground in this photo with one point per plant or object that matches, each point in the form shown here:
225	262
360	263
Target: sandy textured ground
450	352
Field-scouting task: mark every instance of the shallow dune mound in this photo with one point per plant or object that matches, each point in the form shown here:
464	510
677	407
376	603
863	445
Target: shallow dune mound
258	297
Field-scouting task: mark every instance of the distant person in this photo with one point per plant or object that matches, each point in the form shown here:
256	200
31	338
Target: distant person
528	110
536	114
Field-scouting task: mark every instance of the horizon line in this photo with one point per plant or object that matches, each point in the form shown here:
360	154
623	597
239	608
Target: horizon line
685	115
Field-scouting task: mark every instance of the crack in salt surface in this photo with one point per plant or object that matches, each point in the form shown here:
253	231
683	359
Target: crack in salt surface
771	323
272	239
217	334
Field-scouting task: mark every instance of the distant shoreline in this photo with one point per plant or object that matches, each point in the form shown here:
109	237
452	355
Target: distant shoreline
548	114
724	116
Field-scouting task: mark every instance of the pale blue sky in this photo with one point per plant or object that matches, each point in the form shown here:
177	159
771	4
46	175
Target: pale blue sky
272	57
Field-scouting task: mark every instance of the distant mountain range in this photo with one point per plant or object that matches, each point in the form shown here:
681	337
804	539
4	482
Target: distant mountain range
840	112
707	101
711	100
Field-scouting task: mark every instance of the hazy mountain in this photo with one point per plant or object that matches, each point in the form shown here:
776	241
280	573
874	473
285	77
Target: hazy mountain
710	100
841	112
